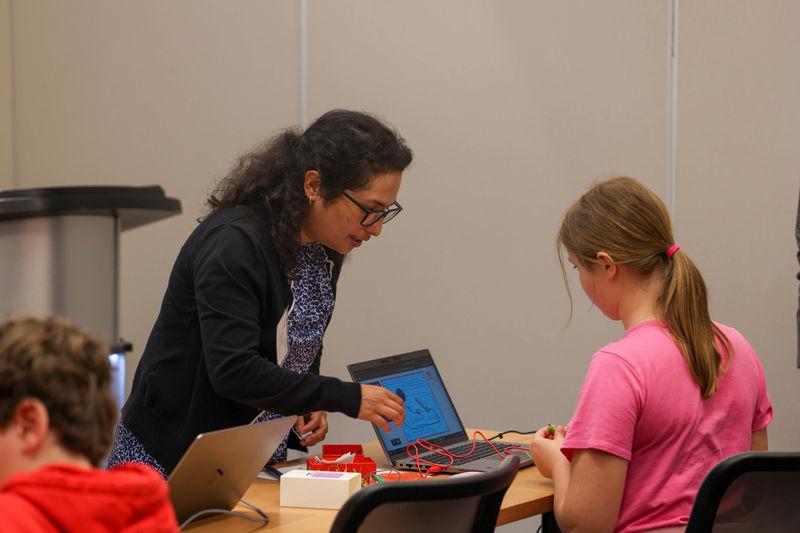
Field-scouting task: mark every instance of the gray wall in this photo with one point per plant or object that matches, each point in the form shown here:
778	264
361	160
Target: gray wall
6	98
513	108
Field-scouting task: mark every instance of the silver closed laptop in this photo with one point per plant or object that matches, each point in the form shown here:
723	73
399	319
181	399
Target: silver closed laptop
219	466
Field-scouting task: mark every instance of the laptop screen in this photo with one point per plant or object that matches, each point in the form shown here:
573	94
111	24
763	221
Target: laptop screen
430	414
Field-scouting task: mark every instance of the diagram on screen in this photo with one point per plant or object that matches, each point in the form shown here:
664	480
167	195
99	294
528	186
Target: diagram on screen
423	415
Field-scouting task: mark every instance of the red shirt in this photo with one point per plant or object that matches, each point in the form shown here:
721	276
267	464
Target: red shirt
131	497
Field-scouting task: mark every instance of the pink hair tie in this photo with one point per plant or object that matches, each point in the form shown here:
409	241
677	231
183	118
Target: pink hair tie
672	249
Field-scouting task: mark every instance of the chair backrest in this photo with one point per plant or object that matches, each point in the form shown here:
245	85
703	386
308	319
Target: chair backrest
751	491
459	504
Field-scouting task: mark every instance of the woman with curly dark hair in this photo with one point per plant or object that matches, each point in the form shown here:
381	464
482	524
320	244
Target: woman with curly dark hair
239	334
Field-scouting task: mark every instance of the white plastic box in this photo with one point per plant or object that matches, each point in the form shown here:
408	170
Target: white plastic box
318	489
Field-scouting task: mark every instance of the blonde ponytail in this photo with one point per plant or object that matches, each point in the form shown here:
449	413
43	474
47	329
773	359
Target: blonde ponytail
684	304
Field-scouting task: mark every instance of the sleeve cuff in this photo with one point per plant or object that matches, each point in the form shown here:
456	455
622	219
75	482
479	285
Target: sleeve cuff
342	397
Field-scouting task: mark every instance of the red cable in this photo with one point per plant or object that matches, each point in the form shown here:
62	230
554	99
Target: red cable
433	466
439	450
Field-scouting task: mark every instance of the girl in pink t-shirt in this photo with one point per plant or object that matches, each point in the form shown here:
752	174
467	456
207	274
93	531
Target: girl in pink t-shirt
664	404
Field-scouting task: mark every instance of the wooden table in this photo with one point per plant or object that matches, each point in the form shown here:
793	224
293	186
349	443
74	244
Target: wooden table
531	494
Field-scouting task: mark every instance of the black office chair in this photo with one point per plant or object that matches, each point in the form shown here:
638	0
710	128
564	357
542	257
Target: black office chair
751	491
460	504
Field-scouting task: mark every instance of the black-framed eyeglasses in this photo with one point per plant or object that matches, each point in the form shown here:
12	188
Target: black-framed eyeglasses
371	216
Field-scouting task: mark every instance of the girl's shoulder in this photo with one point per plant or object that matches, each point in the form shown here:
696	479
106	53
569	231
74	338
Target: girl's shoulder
744	355
733	334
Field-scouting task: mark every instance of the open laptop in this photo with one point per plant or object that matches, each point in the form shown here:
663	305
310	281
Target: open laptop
219	466
430	415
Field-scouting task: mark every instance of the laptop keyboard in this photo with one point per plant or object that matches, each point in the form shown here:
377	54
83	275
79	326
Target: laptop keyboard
482	449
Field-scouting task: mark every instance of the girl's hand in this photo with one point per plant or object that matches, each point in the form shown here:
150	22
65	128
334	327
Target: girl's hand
317	424
546	449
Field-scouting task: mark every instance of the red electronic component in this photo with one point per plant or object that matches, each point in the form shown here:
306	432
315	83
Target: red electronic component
361	463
